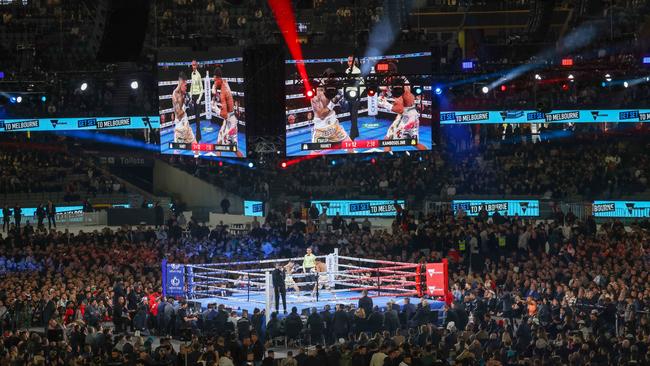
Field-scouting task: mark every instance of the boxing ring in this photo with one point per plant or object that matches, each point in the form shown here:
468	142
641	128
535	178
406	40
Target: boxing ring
247	285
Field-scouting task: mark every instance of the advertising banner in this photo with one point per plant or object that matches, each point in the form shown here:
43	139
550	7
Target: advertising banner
623	209
85	123
370	208
522	208
174	279
437	280
533	116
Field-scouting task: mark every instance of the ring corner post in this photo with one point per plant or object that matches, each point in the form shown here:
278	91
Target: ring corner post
163	266
190	282
332	264
267	295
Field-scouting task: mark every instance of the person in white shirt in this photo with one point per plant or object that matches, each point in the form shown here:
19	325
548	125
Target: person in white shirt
379	357
226	360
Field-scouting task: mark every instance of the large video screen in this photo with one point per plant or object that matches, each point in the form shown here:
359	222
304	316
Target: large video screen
201	102
329	123
254	208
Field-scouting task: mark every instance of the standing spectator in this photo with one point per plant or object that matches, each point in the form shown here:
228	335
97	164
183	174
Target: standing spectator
365	302
40	216
6	218
51	215
18	214
225	205
159	214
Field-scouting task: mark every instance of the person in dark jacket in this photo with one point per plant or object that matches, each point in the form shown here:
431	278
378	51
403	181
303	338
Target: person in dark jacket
408	310
365	303
316	326
269	360
40	216
51	214
49	310
273	328
326	315
461	314
18	215
244	326
361	356
279	287
340	322
293	324
375	321
391	319
6	218
120	315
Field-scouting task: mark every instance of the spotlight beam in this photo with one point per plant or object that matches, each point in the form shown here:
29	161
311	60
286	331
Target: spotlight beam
286	20
383	34
578	38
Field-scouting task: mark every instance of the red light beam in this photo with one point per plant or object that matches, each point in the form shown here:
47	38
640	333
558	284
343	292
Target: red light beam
286	20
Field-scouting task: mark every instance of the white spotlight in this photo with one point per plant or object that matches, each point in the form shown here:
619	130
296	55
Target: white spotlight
19	99
570	77
538	77
84	86
608	78
134	85
485	89
626	84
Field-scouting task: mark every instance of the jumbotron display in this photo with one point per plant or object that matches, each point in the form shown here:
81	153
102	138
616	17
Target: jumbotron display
347	112
201	101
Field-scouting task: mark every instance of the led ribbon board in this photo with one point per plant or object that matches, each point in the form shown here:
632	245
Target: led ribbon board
532	116
522	208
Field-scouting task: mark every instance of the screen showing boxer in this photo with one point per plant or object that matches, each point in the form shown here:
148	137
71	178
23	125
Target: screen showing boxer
390	112
201	101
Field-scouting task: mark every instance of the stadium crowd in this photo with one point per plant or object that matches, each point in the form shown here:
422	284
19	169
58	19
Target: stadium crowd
561	164
53	171
553	292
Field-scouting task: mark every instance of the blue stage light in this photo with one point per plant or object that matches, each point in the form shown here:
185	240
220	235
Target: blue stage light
438	90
